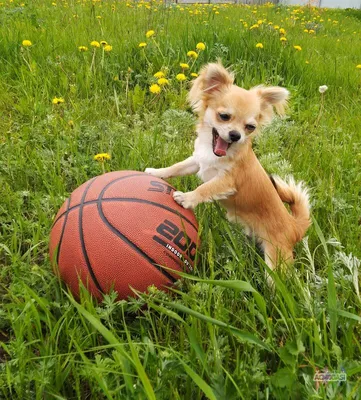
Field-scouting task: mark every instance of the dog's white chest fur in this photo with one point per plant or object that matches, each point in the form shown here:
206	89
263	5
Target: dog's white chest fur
210	165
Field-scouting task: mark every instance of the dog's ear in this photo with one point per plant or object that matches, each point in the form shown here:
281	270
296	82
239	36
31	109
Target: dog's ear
212	79
273	96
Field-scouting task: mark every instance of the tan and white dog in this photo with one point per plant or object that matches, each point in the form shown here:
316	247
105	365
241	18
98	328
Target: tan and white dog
229	117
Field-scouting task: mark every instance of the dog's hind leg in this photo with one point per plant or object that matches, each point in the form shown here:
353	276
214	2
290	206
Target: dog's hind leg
276	257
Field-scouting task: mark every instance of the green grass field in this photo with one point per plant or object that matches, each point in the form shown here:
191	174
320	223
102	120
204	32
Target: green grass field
222	335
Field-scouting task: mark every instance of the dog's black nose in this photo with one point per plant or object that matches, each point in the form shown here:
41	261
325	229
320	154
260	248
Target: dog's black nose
234	136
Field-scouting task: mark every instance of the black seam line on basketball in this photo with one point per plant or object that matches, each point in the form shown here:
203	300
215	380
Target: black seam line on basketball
62	231
134	200
92	201
131	244
81	234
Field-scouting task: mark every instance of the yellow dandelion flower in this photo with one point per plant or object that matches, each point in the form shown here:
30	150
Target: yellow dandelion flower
184	66
283	39
307	62
192	54
181	77
98	17
255	26
159	75
200	46
306	30
163	81
155	89
358	66
259	46
108	48
298	48
101	157
142	45
26	43
83	48
282	31
276	27
103	42
58	100
260	22
150	34
194	75
71	124
311	31
94	43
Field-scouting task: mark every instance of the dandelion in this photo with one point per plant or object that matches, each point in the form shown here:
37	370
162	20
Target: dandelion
276	27
194	75
311	31
58	100
306	30
283	39
259	46
358	66
192	54
184	66
307	62
26	43
103	43
149	34
102	157
108	48
82	48
155	89
163	81
298	48
94	43
98	17
71	124
322	89
181	77
255	26
142	45
159	75
200	46
282	31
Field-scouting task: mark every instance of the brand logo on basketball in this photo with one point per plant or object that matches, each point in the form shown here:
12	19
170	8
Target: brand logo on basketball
160	187
170	231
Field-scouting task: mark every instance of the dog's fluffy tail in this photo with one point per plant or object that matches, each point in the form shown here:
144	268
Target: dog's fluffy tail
297	196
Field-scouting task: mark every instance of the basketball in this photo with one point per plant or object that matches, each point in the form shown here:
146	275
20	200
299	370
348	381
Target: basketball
117	231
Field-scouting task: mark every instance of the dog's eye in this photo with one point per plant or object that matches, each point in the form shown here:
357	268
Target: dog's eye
250	127
224	116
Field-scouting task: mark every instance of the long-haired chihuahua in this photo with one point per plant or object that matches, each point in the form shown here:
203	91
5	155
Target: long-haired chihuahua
229	117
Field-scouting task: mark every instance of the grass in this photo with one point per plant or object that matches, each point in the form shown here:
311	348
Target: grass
223	335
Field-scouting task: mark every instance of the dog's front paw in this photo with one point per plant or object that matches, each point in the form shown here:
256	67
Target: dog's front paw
186	200
154	172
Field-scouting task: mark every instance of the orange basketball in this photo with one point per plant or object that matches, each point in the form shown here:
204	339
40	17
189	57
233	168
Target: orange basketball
117	230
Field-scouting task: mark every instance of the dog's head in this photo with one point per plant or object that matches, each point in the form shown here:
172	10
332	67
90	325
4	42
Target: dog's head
233	114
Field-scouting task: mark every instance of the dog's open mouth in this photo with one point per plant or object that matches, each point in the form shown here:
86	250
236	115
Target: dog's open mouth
220	146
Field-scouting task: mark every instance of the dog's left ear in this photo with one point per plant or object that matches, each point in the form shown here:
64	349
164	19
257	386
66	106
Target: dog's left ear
212	80
273	96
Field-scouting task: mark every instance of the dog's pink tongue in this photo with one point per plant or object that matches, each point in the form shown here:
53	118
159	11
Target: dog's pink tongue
220	147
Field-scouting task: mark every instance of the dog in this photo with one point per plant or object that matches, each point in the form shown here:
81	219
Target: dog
229	117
